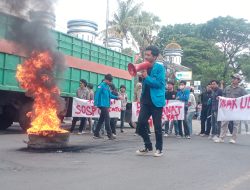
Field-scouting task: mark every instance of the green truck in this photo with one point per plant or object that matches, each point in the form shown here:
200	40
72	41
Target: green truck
84	59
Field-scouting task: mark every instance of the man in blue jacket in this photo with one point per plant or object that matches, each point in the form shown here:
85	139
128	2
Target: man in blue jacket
102	101
183	95
152	101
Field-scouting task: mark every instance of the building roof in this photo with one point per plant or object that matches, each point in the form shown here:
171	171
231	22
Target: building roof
173	45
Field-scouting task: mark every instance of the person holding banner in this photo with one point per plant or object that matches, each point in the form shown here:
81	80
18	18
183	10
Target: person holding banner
82	93
102	101
124	96
152	101
113	120
216	125
170	95
206	111
231	91
183	95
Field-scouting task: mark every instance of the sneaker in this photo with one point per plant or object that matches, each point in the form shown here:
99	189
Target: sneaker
229	135
215	138
80	133
97	137
202	135
165	135
112	137
219	140
158	153
178	136
232	141
145	151
188	137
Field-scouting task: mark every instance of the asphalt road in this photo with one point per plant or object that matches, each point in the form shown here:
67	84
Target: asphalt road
106	165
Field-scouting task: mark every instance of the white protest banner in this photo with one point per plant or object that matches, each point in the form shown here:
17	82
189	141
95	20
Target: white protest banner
86	108
234	109
174	110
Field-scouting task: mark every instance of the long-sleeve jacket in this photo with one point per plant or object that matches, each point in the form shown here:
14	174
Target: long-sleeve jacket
103	95
156	83
183	95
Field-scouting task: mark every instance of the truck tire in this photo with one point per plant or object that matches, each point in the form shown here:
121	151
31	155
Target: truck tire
5	122
23	119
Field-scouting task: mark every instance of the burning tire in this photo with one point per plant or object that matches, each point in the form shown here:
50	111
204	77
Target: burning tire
24	121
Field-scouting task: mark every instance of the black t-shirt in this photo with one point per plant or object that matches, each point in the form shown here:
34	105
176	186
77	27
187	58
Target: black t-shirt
146	97
170	95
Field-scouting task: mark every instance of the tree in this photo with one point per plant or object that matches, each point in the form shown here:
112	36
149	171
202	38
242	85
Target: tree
124	19
177	31
243	62
203	57
232	36
144	29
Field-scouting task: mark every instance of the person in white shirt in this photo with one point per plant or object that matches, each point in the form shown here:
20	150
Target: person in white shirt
191	110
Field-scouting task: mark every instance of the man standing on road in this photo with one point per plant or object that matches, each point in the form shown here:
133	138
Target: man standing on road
183	95
102	101
231	91
206	111
152	101
82	93
214	109
170	95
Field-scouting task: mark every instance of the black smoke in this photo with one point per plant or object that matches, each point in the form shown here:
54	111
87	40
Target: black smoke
33	35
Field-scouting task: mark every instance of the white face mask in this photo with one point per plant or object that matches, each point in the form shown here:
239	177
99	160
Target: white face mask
181	87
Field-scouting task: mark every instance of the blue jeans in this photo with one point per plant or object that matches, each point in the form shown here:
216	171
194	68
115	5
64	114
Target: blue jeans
215	124
167	127
190	116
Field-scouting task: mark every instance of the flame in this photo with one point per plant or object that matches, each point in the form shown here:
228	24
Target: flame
35	76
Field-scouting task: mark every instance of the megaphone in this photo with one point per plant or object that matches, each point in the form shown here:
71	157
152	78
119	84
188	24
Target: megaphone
134	68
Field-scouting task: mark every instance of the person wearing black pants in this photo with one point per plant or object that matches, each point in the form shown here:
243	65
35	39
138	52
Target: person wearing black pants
183	95
104	117
145	113
82	124
169	95
102	101
206	111
113	121
152	101
186	130
82	93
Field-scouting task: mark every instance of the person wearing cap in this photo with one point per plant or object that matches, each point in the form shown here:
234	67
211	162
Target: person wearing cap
231	91
102	101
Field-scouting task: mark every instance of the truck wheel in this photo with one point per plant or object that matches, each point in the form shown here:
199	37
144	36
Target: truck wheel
5	122
25	121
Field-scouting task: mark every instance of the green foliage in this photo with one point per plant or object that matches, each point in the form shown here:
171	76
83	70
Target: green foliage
213	50
232	36
244	64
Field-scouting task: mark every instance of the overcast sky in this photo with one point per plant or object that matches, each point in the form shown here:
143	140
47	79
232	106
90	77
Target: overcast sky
170	12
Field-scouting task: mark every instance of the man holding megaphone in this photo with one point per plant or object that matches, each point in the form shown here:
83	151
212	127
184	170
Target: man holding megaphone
152	99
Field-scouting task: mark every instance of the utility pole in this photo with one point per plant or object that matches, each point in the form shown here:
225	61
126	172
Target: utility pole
107	24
